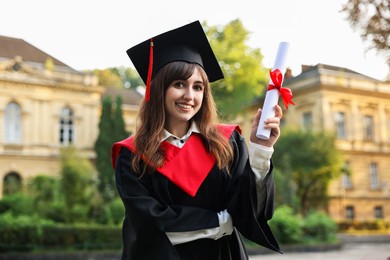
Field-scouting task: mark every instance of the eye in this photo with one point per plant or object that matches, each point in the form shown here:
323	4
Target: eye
198	87
178	84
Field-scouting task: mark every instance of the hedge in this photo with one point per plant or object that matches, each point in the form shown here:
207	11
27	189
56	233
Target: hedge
54	236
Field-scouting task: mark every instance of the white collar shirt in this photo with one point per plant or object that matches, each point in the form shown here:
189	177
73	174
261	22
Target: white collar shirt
179	141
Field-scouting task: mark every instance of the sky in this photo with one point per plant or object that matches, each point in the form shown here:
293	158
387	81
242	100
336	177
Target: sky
95	34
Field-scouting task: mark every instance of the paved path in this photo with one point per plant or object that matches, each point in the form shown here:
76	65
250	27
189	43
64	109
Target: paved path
350	251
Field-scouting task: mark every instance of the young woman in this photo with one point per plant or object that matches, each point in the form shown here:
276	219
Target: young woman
189	185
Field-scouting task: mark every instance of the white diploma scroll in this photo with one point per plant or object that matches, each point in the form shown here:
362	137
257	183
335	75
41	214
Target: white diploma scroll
272	96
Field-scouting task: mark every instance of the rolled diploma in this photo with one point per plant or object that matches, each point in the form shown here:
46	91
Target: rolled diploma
272	96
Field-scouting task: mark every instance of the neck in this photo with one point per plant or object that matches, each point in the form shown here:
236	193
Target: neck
178	129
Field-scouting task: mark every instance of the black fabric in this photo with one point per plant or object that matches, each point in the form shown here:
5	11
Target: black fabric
154	206
187	43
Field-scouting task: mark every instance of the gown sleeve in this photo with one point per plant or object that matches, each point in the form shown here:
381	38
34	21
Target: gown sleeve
250	220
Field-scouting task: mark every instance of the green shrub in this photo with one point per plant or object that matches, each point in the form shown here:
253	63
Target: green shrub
117	211
369	225
286	226
54	211
320	227
20	232
31	233
18	204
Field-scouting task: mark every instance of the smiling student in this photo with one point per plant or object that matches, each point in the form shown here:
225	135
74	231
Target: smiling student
189	185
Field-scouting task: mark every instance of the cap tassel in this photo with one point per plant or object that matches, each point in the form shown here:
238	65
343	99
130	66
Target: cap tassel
150	71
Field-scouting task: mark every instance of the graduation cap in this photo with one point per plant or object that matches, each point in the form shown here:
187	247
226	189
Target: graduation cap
187	43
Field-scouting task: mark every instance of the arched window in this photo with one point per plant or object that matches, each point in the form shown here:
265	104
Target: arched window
66	127
12	183
13	123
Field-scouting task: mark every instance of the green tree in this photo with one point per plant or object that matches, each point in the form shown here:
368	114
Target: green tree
285	186
76	183
245	77
129	77
372	19
102	148
108	77
118	77
313	161
119	122
42	188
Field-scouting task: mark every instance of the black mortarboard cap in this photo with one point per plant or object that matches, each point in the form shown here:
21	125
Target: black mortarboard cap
187	43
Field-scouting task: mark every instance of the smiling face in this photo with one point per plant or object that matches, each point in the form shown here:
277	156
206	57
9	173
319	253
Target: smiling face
183	99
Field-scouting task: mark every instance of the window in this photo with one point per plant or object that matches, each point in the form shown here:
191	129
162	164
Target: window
346	177
347	183
12	183
13	123
66	127
368	128
349	212
378	212
340	125
374	178
307	121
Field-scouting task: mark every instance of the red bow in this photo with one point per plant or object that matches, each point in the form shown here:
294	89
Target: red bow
277	79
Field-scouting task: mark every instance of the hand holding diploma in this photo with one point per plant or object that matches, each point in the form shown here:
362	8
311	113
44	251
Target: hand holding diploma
274	90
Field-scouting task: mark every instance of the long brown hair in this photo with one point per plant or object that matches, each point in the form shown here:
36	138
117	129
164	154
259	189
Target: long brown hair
151	118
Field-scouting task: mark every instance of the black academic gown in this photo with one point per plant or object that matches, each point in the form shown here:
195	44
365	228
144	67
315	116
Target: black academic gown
155	205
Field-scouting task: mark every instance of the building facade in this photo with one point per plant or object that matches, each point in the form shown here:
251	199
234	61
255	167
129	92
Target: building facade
46	105
357	109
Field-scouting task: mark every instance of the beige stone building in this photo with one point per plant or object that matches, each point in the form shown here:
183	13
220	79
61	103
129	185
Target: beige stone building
357	109
45	105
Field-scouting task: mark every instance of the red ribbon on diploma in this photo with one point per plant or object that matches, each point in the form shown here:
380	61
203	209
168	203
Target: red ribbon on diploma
277	79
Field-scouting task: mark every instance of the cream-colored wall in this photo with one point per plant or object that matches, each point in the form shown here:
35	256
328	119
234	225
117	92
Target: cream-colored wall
41	104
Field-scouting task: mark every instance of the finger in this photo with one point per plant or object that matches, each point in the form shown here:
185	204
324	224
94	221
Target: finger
256	119
278	111
272	125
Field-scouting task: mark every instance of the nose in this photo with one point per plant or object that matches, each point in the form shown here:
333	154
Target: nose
188	94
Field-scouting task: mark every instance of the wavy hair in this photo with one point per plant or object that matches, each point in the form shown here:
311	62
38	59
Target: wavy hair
151	118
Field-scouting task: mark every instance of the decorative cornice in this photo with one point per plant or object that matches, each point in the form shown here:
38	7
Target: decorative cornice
24	80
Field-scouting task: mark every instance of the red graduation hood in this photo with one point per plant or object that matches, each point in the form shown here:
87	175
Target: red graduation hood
182	165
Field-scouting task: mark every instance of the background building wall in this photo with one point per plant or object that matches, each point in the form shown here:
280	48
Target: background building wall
324	90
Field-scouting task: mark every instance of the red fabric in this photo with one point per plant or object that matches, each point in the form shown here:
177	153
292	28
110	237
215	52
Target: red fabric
150	71
186	167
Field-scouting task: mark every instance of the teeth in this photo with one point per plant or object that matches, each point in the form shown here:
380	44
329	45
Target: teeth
184	106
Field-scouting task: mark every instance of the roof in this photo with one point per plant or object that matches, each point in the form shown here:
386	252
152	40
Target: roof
12	47
320	68
129	96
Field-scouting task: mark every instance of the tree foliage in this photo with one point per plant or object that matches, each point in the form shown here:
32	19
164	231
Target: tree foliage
372	19
102	147
129	76
76	181
245	78
111	130
118	77
310	161
108	77
119	122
